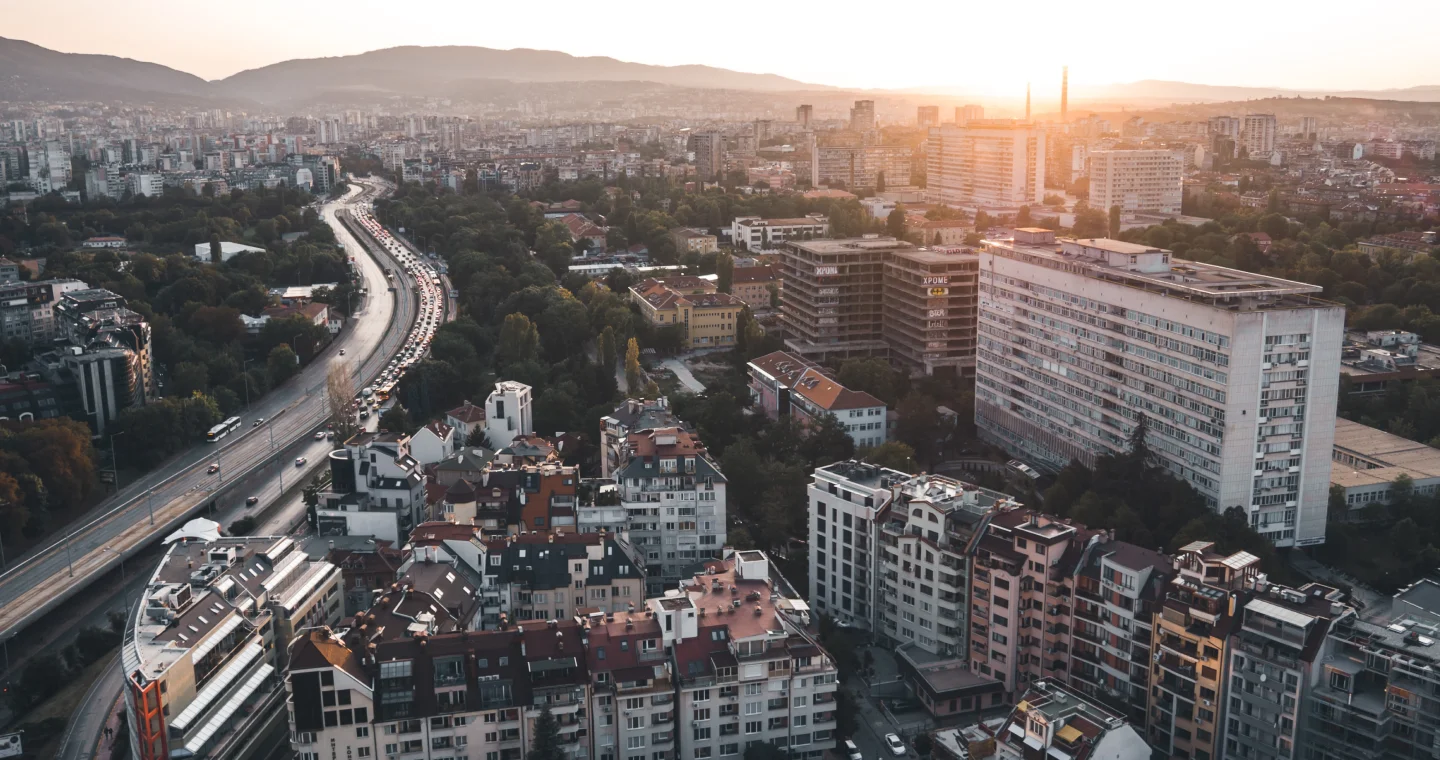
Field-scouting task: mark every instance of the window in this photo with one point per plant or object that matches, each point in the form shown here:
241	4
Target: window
753	727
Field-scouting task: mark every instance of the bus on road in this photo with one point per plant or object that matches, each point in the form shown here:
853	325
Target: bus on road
223	429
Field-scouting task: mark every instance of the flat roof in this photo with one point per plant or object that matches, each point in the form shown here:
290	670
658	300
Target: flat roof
1378	457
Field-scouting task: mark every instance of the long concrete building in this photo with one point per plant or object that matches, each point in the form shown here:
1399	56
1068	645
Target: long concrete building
1080	339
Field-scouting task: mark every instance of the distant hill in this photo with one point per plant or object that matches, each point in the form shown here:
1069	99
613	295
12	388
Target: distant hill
31	72
443	70
1154	90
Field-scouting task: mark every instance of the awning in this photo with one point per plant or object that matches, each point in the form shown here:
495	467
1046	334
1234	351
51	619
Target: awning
214	725
217	685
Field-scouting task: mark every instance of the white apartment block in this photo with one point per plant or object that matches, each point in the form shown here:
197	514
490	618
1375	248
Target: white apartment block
1258	134
508	414
751	233
986	163
1235	373
844	498
1137	180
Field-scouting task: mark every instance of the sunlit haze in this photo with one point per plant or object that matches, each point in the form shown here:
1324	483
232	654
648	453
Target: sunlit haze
984	48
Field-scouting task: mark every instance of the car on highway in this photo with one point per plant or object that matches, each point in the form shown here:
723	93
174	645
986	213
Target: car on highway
342	352
896	746
251	501
300	461
258	422
364	414
214	468
320	435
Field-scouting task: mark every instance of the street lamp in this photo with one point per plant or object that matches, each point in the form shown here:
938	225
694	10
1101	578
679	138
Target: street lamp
114	461
245	373
116	552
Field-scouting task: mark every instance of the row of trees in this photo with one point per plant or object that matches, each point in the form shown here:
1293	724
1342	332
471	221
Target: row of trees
45	466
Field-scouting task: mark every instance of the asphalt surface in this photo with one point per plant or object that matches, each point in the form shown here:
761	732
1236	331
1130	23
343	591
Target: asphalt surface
281	509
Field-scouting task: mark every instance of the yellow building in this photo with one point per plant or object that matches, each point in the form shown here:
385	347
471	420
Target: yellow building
753	284
709	317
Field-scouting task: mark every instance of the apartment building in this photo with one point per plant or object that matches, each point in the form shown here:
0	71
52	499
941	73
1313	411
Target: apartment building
1024	565
1200	611
555	576
709	150
748	670
927	116
1053	721
376	489
834	296
862	116
930	304
860	165
752	233
1137	180
928	564
708	318
968	113
632	415
508	413
845	499
1375	685
992	164
1117	589
203	649
633	686
27	309
1078	339
673	495
1257	134
787	385
1274	661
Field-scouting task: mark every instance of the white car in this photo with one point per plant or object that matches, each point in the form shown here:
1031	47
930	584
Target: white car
852	752
299	461
896	746
320	435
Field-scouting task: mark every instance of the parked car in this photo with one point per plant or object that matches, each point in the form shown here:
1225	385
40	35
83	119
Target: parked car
851	751
896	746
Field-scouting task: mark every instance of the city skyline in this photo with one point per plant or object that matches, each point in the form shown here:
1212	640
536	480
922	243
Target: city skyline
1302	60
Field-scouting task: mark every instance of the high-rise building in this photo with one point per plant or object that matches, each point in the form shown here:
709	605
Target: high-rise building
995	164
709	150
968	113
1222	366
1225	126
1137	180
1258	134
862	116
927	116
845	498
930	302
861	166
804	115
834	294
27	309
1309	127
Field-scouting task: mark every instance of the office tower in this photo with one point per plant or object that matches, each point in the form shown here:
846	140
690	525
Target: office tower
927	116
929	310
833	296
1137	180
996	164
1309	127
1064	94
803	115
862	116
709	150
1221	365
1258	134
968	113
1227	126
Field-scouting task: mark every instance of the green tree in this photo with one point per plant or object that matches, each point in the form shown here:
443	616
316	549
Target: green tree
632	366
519	340
1115	221
879	182
281	364
216	253
1022	218
826	442
396	419
547	738
982	221
871	375
1089	223
724	271
893	454
895	223
609	349
243	527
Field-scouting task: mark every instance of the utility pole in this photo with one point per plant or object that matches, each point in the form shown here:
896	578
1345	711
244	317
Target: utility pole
114	461
69	559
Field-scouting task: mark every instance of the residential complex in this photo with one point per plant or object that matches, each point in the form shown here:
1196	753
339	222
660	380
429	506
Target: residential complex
1221	365
752	233
992	164
1257	135
725	661
757	286
1053	721
206	648
1136	180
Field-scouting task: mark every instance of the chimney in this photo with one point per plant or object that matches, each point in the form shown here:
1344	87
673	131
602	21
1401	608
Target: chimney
1064	92
1027	101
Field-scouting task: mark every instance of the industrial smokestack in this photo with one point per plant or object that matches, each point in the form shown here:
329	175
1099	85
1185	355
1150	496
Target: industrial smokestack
1064	92
1027	101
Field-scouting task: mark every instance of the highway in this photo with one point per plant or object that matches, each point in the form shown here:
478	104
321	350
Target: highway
164	499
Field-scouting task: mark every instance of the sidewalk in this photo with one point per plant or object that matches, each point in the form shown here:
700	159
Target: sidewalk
686	377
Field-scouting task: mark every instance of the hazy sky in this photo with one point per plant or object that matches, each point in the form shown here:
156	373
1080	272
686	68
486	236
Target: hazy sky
986	48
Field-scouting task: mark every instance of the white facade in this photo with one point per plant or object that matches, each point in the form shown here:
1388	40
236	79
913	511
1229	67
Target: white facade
432	443
1136	180
986	164
751	233
1225	366
844	499
152	185
508	413
1258	136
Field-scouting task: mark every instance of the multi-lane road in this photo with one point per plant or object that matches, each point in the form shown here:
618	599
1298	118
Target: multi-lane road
163	499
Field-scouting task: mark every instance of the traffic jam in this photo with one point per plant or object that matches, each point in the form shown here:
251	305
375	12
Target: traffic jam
431	313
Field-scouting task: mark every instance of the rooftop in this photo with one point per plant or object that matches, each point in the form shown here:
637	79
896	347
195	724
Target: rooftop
1367	456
